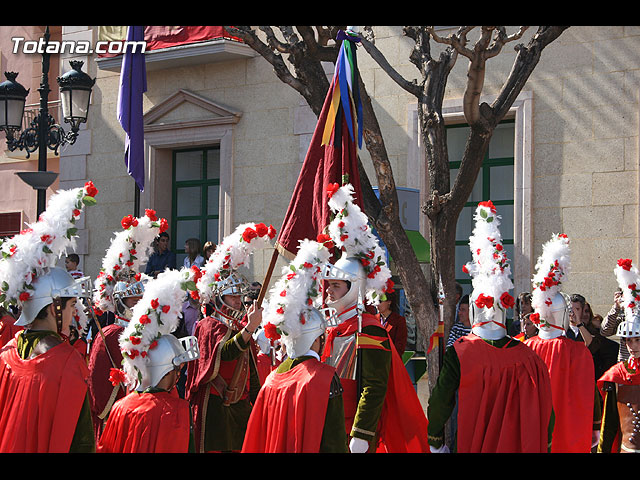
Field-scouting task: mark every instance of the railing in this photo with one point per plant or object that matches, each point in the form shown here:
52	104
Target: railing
31	112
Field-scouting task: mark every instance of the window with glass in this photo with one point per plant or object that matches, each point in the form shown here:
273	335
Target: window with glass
494	182
196	192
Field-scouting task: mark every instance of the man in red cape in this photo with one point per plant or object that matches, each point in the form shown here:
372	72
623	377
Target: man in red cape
155	420
43	381
572	377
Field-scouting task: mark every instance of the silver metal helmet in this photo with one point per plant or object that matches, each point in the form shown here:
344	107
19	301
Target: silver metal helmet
487	323
556	319
123	290
234	284
351	270
169	353
56	283
313	327
630	326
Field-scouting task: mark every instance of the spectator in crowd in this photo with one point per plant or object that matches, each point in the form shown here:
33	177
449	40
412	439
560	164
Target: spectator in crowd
393	322
610	324
208	249
528	329
462	326
522	308
162	257
71	264
192	249
603	350
577	329
252	293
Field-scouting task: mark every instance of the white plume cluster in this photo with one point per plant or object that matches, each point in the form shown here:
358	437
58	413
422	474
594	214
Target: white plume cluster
489	267
628	279
157	313
351	233
297	291
33	251
233	252
552	267
129	249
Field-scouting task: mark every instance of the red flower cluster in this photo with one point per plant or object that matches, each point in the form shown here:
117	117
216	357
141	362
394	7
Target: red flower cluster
488	204
325	240
90	189
151	214
507	301
332	188
484	301
535	318
164	225
116	376
271	331
129	221
625	263
260	230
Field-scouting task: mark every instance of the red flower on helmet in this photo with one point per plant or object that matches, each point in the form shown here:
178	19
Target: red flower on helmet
271	331
24	296
332	188
326	240
116	376
144	319
484	301
90	189
166	308
151	214
249	234
625	263
135	340
271	231
535	318
155	303
488	204
164	225
261	229
507	301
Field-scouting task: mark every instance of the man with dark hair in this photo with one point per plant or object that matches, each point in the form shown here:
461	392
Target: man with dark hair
578	330
162	258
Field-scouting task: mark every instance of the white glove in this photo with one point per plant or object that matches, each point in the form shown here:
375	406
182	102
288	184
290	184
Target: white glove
358	445
442	449
595	438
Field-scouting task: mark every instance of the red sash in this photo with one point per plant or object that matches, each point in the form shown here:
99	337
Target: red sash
290	410
571	371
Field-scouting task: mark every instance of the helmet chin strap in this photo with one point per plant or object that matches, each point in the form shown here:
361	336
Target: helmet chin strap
57	310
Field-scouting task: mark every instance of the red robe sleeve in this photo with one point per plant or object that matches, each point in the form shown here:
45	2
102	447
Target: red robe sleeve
571	371
290	410
147	423
40	399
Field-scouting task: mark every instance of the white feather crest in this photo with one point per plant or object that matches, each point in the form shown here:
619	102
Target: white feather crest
552	267
34	250
489	267
628	278
157	313
297	291
129	249
351	233
233	252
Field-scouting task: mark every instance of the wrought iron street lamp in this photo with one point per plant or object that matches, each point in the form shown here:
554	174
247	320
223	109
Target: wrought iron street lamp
43	132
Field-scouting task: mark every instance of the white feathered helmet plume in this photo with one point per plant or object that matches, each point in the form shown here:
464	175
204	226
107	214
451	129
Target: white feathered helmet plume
35	250
628	279
156	314
129	249
552	267
233	252
291	313
490	271
351	233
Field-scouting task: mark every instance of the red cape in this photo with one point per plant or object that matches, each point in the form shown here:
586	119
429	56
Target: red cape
147	423
264	365
403	425
100	388
290	410
8	329
571	370
511	412
618	374
40	399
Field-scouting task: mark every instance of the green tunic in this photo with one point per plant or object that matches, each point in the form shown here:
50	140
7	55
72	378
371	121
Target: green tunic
334	436
225	426
443	397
